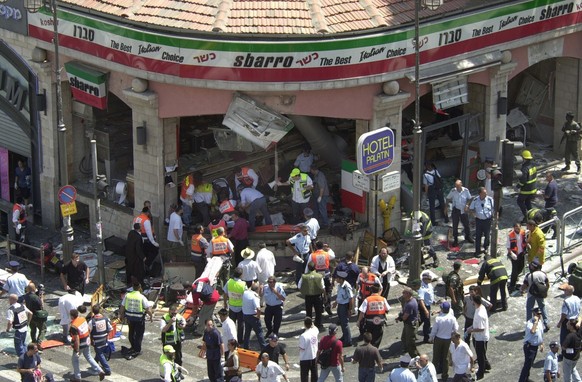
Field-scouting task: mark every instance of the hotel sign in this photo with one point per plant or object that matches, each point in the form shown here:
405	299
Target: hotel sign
375	151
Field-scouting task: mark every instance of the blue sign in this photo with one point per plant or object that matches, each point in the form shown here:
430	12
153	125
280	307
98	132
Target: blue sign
67	194
375	151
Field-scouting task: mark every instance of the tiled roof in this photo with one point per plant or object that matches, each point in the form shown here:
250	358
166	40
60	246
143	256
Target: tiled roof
284	17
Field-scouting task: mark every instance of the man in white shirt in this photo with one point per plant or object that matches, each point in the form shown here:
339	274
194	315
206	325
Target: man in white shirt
16	283
308	346
480	330
426	370
301	189
250	268
311	223
384	267
266	261
402	373
254	201
461	358
228	328
440	336
460	198
251	309
269	371
175	229
71	300
300	244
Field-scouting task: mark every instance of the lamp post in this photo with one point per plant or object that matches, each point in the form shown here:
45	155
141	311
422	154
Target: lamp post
415	260
67	232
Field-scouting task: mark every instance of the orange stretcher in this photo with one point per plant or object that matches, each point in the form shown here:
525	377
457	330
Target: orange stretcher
291	228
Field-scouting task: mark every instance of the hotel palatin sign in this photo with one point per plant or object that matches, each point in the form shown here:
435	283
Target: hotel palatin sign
327	59
88	85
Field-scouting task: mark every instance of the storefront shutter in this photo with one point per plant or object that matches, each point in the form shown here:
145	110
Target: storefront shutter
13	138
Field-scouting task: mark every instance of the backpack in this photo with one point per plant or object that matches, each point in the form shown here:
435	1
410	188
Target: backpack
538	289
205	290
324	359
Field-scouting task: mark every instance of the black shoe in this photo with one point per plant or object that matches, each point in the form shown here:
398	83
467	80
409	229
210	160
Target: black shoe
132	355
435	264
487	365
329	312
470	240
566	168
546	328
446	220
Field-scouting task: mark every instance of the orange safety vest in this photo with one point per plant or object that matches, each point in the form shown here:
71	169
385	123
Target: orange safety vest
219	246
513	240
376	305
82	327
213	228
22	212
226	206
365	284
320	259
141	219
185	185
195	246
244	177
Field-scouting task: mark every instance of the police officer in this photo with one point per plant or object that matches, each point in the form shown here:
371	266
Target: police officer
527	184
373	315
321	258
571	130
312	287
100	329
482	207
172	326
496	272
454	285
135	306
409	316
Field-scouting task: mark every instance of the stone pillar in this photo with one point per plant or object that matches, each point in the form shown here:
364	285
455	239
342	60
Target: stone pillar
567	93
387	111
494	124
148	159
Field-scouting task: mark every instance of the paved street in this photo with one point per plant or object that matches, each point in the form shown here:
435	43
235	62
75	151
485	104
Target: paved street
504	350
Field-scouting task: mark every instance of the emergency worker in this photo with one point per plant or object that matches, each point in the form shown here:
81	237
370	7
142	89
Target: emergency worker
301	189
146	229
516	250
172	326
100	327
198	246
426	232
312	287
572	131
19	220
186	196
135	306
246	176
80	333
233	292
203	197
527	184
373	315
496	272
454	288
220	245
321	260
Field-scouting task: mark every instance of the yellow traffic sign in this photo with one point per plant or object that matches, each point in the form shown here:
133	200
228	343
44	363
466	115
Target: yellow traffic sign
68	209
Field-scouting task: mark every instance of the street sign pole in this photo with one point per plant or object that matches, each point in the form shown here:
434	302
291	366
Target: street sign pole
97	211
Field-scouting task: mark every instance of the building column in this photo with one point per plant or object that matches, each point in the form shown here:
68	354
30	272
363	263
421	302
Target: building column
567	96
148	159
495	124
387	112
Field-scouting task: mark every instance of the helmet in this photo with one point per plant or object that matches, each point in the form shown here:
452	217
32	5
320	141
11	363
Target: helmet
525	154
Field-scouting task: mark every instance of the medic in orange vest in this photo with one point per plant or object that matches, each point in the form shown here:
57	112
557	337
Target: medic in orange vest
220	245
145	226
373	315
321	258
246	176
366	280
215	224
19	214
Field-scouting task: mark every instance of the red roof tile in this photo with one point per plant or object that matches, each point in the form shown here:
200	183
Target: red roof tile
269	17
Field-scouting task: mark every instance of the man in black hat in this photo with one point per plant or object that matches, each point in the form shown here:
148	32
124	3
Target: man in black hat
275	349
571	130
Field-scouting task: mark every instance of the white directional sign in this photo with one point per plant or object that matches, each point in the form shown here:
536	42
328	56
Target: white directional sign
391	181
361	181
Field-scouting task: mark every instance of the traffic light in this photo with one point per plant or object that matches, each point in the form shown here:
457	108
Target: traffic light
510	161
496	178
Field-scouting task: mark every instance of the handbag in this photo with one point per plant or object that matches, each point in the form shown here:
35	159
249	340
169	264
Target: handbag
41	314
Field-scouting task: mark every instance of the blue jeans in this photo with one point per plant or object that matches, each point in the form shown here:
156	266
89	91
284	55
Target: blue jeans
187	215
259	204
86	351
100	358
529	305
570	372
321	211
20	342
342	314
252	322
366	374
335	370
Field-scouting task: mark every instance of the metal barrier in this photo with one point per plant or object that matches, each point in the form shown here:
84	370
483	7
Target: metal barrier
575	218
558	228
35	250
